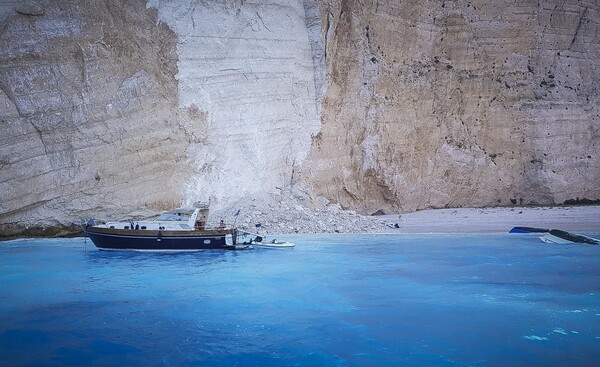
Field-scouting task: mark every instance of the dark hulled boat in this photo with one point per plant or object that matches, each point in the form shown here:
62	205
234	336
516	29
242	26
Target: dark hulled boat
181	229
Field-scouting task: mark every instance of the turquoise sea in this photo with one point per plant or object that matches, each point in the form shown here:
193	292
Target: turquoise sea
333	300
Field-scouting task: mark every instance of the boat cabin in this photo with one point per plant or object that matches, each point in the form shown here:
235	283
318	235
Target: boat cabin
181	219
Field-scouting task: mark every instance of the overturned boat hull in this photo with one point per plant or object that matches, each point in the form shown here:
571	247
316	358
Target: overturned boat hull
528	230
564	237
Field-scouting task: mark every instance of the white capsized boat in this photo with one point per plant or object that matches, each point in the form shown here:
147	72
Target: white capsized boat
564	237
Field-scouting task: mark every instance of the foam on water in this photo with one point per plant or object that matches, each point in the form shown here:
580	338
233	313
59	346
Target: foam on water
333	300
535	337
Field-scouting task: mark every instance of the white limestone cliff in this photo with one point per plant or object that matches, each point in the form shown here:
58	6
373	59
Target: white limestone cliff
88	104
122	108
245	71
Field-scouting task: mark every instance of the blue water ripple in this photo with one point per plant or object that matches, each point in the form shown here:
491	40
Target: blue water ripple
333	300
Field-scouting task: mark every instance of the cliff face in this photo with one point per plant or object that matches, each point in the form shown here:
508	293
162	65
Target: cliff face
246	75
88	100
446	104
112	106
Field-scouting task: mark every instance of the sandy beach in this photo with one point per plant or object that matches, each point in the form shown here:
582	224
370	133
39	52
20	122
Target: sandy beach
489	220
287	213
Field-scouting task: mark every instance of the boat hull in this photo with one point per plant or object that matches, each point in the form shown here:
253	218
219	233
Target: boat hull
161	241
276	244
564	237
528	230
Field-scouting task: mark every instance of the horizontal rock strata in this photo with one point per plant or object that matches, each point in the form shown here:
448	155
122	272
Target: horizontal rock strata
448	104
246	69
88	104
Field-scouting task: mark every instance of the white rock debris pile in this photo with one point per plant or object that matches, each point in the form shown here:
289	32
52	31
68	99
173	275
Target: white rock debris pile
294	212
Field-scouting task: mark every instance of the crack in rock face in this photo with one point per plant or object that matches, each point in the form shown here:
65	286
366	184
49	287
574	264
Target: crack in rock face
29	8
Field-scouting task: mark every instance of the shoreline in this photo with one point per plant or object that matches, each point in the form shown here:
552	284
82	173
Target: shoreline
497	220
584	218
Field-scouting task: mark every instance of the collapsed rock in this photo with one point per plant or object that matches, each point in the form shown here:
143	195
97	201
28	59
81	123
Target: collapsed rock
293	211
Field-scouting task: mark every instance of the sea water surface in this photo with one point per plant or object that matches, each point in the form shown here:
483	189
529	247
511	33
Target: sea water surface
333	300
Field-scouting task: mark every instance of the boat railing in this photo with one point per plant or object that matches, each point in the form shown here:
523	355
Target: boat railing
219	227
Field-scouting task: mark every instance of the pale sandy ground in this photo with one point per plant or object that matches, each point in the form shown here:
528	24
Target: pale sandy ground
470	220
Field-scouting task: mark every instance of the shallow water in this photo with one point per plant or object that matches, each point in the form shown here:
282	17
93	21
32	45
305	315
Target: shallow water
333	300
